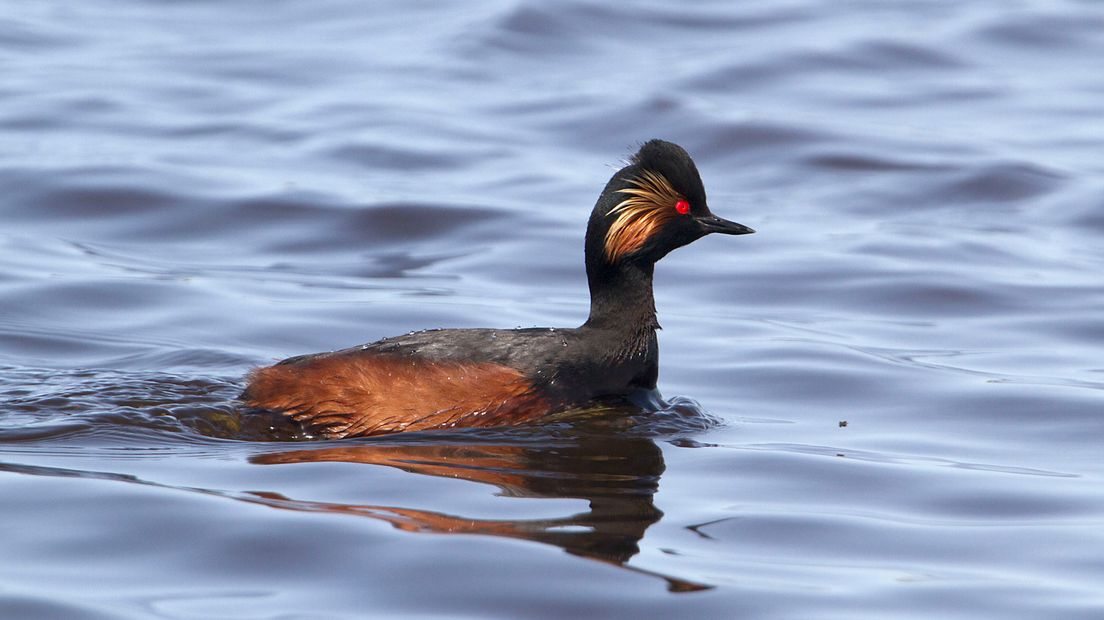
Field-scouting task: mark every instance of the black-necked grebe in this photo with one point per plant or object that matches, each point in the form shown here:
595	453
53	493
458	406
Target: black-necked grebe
448	378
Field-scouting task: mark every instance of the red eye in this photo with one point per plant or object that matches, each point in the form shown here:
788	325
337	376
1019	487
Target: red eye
682	207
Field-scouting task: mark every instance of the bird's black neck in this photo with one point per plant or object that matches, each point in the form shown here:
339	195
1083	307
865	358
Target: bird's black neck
622	307
621	297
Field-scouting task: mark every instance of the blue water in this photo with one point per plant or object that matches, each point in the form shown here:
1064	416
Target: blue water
889	402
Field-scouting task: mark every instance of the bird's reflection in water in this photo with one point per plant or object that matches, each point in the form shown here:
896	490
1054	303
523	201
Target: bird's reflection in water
618	476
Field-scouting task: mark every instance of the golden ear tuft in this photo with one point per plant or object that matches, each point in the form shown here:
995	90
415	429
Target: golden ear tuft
650	205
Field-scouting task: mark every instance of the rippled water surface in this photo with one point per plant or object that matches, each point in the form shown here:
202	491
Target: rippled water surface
887	403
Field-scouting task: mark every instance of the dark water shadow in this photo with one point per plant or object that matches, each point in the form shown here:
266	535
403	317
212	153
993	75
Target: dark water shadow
617	476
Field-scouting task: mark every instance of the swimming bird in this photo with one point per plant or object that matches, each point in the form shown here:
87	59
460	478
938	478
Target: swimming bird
451	378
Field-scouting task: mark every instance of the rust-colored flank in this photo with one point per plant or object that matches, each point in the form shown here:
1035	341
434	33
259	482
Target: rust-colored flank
351	395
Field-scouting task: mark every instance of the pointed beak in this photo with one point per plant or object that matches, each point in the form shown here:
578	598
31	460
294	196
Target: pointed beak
713	224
